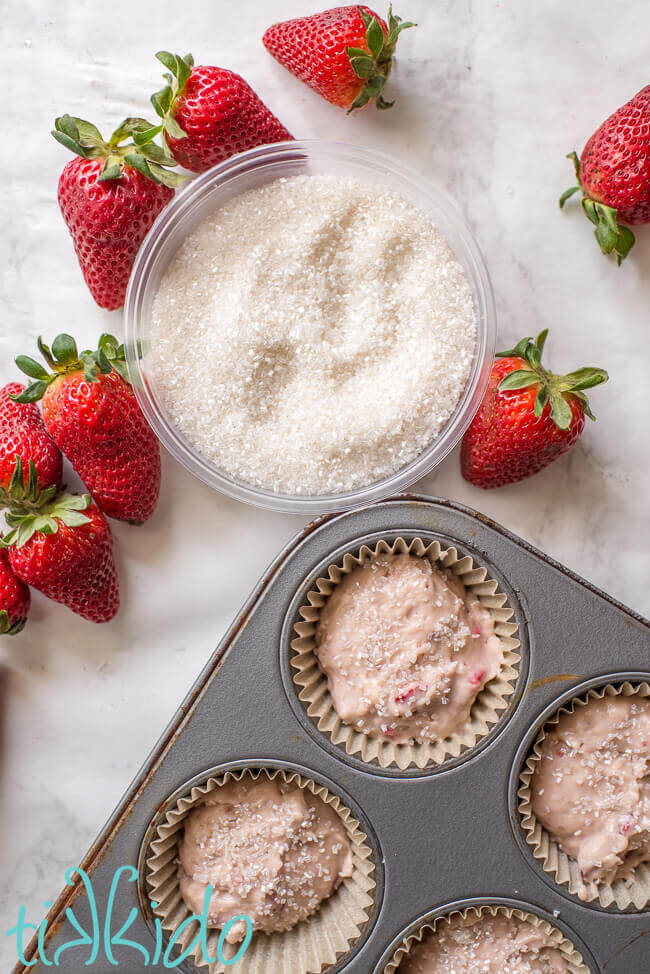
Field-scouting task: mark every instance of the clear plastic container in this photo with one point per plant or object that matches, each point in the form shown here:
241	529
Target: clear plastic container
246	171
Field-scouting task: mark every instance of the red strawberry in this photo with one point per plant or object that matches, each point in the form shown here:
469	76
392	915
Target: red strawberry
14	599
528	417
61	544
92	414
210	114
110	197
23	433
345	54
614	175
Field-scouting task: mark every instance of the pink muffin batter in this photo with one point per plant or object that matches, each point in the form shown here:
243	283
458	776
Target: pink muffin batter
271	850
485	945
406	648
591	788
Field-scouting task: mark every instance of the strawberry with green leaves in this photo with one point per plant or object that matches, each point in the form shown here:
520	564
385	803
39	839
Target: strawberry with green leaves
14	599
110	195
93	416
23	434
209	114
61	544
613	176
528	417
345	54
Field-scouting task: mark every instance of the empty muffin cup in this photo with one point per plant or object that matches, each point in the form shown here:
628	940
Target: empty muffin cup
572	957
623	893
314	944
488	706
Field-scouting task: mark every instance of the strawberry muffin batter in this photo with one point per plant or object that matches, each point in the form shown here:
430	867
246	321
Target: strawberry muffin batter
486	944
271	850
591	788
406	649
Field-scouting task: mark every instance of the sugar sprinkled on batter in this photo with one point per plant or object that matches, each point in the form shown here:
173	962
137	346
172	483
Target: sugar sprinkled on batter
313	335
270	850
591	788
406	649
486	945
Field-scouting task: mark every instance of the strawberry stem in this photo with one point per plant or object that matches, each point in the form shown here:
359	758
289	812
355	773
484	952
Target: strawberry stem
25	497
31	511
142	152
5	628
612	236
64	358
179	70
554	390
375	63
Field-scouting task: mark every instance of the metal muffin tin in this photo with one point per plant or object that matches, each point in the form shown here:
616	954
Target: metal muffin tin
443	837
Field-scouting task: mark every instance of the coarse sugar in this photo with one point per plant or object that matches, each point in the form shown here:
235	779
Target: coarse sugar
313	335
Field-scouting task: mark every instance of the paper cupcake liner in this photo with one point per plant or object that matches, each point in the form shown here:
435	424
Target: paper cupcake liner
573	957
624	893
311	682
310	947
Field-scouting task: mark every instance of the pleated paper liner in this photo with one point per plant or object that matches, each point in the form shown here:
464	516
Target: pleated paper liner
633	892
311	946
572	956
312	685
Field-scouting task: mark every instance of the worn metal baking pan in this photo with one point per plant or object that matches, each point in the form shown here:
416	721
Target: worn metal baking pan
440	836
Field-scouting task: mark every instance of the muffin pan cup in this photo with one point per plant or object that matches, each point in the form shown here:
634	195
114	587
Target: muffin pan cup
570	952
623	894
488	707
317	942
439	837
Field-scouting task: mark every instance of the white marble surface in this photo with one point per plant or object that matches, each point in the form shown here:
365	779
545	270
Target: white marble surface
490	98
